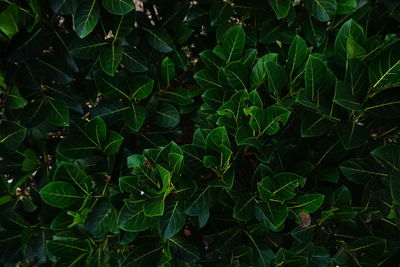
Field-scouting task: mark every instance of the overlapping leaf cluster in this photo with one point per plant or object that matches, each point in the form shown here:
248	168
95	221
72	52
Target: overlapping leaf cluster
199	133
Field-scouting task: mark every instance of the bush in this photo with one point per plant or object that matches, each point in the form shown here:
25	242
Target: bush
199	133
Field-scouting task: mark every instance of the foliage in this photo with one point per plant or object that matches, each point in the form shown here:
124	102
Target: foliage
199	133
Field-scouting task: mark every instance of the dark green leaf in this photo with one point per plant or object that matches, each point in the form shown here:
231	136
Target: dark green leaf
60	194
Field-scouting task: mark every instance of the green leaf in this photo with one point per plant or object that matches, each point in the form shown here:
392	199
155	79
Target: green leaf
384	71
154	207
201	201
281	8
141	87
211	60
298	52
113	143
274	213
102	219
346	6
232	44
110	57
179	96
111	87
315	76
314	31
322	10
237	75
85	17
167	116
309	203
172	221
351	135
59	194
350	36
11	134
69	248
135	117
220	13
58	113
388	155
282	185
96	130
143	255
131	218
71	173
259	72
86	48
184	250
14	99
75	148
159	39
344	97
167	70
134	60
118	7
369	245
314	125
359	170
215	138
207	79
276	77
288	258
244	208
10	20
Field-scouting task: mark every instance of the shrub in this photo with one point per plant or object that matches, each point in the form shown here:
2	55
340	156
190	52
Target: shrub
199	133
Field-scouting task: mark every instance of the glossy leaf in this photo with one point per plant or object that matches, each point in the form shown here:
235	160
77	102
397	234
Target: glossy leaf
60	194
